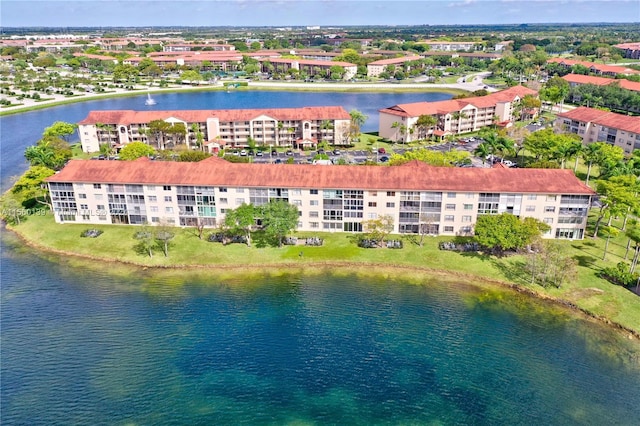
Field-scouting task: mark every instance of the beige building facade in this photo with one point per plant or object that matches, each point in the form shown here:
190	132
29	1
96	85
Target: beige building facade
419	198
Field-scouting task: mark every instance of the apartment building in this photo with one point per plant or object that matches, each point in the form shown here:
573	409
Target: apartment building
294	127
629	50
309	66
595	125
375	68
188	47
447	201
451	46
579	79
455	116
599	69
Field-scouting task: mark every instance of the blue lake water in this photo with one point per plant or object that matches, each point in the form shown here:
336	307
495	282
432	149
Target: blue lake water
82	346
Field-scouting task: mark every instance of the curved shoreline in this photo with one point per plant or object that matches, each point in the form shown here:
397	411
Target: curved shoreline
474	280
266	86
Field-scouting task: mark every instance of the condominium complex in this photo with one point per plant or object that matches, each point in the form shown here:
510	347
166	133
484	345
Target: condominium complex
299	127
595	68
399	122
375	68
579	79
419	197
595	125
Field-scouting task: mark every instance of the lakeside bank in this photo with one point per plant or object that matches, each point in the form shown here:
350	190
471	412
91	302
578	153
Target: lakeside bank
57	100
593	298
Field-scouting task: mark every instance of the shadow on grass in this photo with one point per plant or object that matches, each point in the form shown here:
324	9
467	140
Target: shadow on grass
515	272
587	262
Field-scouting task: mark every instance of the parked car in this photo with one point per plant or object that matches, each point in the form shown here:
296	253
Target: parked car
274	153
382	151
259	154
336	152
243	153
384	159
508	163
289	153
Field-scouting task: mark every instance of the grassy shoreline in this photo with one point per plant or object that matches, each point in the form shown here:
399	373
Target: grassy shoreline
589	296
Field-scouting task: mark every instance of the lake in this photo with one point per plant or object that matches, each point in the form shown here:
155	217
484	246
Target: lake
80	345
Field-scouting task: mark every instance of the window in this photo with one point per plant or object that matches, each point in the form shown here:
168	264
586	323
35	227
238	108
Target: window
239	201
223	211
549	209
222	189
391	193
372	215
551	197
468	206
98	196
449	218
168	210
373	204
167	187
450	207
530	208
314	225
82	196
448	229
100	206
96	186
451	195
154	209
167	198
313	202
223	201
152	198
548	220
470	194
151	187
240	190
296	192
466	218
155	219
84	207
313	214
313	191
532	197
391	205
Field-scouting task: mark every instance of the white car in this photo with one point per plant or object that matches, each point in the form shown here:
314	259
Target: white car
508	163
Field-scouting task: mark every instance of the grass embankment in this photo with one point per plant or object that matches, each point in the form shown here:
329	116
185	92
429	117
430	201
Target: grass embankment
589	293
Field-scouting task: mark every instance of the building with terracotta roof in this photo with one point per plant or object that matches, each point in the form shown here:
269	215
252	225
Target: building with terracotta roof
447	201
375	68
579	79
595	125
600	69
629	50
308	66
299	127
455	116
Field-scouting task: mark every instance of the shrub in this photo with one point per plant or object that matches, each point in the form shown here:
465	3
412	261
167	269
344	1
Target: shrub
619	274
91	233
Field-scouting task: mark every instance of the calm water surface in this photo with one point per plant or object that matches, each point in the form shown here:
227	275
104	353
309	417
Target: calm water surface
81	346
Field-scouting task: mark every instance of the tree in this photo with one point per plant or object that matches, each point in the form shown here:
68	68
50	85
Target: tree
51	152
241	220
30	189
590	154
278	219
60	129
424	124
633	233
550	265
378	229
135	150
12	209
507	232
146	240
617	195
193	156
163	235
357	121
191	76
609	231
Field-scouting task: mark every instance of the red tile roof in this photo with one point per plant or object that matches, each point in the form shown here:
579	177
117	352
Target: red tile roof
604	118
127	117
602	81
311	62
414	175
599	67
444	107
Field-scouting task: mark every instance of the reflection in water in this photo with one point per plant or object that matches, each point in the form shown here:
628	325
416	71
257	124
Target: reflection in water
86	346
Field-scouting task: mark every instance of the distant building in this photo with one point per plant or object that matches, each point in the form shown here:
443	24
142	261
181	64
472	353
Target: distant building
594	125
600	69
299	127
455	116
629	50
375	68
579	79
309	67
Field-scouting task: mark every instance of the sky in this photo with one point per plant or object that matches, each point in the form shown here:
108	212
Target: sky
142	13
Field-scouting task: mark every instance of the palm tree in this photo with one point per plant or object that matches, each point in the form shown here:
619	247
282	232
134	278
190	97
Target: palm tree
633	233
458	116
396	125
590	154
483	151
424	124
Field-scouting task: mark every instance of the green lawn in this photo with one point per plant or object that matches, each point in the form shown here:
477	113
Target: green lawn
588	292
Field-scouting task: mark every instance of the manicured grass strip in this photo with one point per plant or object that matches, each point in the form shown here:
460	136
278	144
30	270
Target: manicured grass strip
588	292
